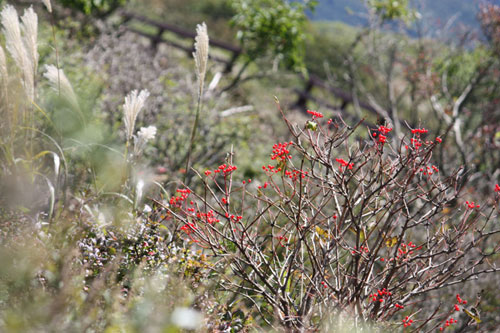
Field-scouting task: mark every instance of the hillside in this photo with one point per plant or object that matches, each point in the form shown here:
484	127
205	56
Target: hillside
435	14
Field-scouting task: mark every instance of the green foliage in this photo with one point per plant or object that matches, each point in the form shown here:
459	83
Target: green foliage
393	10
94	7
275	28
217	9
460	65
327	44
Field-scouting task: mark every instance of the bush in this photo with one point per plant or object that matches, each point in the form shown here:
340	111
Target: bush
339	227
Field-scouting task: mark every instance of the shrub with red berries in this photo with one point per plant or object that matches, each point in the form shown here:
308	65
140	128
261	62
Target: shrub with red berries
326	224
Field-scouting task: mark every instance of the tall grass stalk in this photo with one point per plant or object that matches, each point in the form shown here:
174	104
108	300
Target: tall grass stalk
48	5
201	59
134	103
59	82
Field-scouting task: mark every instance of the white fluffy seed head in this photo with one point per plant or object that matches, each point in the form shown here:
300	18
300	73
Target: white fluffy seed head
30	37
48	5
12	32
201	54
16	46
134	102
143	136
147	133
59	82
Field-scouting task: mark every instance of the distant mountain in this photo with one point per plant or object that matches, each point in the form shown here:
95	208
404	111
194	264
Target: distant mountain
435	13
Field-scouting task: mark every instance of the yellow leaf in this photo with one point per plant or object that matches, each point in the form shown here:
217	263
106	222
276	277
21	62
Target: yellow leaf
473	314
323	233
362	236
391	241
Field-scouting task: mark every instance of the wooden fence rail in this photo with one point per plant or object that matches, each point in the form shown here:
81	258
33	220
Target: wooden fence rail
161	27
304	95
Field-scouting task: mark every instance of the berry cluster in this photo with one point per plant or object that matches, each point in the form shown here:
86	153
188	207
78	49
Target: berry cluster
382	137
472	205
344	164
429	170
294	174
177	201
380	295
407	321
234	218
263	186
282	240
281	152
456	307
406	250
416	142
362	249
224	168
208	217
315	114
460	300
419	131
271	168
448	323
188	228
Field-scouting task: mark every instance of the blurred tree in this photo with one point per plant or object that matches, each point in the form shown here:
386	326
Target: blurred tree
272	28
94	7
393	10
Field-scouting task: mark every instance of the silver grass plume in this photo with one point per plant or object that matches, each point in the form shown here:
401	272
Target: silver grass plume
12	32
48	5
144	135
200	55
134	102
30	37
58	80
4	74
16	48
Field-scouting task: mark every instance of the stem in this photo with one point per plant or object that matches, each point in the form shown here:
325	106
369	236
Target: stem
238	77
193	135
57	54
